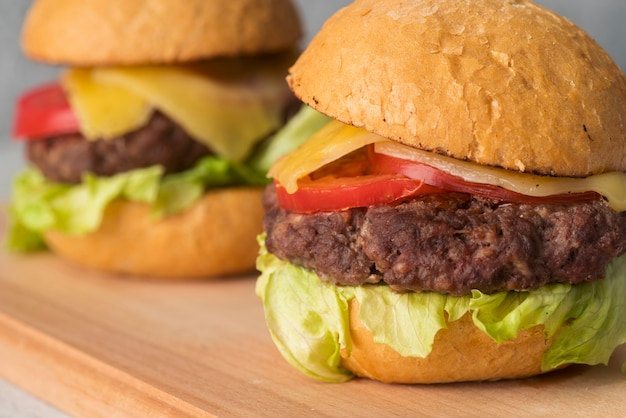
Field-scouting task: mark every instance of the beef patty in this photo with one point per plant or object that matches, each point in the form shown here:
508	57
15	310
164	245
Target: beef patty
161	141
450	243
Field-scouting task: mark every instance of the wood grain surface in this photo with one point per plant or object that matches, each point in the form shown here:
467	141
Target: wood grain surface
97	345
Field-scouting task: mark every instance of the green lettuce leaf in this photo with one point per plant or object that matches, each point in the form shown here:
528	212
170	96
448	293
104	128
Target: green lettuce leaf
310	339
38	205
308	320
299	128
179	191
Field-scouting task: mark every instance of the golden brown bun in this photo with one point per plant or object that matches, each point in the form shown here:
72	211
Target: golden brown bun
460	353
498	82
109	32
215	237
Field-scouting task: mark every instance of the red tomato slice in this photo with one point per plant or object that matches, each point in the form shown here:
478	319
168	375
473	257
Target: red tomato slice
334	194
43	112
366	178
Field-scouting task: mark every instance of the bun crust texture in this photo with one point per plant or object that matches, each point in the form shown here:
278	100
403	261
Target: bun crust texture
121	32
502	83
461	352
215	237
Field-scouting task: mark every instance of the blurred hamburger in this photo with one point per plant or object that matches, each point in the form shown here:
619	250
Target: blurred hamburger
142	156
462	217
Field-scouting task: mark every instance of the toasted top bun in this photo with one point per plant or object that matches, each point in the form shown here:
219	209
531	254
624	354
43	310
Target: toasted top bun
498	82
111	32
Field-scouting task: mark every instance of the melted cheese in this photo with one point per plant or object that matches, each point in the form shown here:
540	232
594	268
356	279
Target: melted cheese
328	144
228	114
104	111
336	140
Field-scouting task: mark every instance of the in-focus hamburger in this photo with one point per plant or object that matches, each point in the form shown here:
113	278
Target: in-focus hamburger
147	156
462	217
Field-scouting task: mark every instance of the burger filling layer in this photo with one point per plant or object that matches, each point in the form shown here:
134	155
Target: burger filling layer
65	158
450	243
357	208
39	205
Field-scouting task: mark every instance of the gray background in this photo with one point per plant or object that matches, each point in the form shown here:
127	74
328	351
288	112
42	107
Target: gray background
603	19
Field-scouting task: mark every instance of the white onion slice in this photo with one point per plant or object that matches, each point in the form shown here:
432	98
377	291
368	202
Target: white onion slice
610	185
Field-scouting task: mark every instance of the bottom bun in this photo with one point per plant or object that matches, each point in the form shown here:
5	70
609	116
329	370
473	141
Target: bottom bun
461	352
216	236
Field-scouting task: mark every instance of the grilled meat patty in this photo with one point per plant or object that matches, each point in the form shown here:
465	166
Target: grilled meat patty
161	141
450	243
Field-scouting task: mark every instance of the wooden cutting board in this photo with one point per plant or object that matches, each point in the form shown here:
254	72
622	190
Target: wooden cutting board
97	345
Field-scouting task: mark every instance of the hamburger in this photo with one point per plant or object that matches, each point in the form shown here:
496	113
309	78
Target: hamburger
461	218
148	155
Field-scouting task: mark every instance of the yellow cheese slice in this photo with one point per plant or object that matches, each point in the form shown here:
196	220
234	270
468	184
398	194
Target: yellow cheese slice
103	111
332	141
336	140
229	114
611	185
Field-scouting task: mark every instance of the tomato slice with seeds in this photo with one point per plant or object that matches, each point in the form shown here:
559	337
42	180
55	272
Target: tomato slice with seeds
43	112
